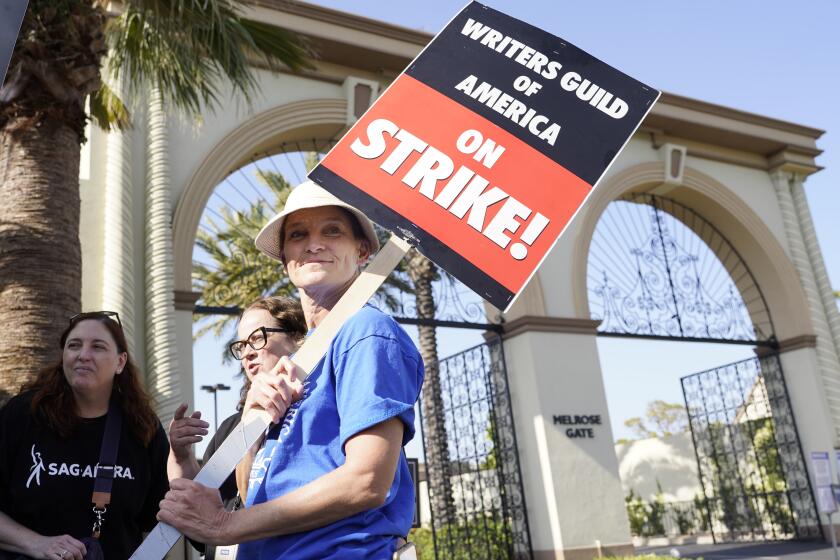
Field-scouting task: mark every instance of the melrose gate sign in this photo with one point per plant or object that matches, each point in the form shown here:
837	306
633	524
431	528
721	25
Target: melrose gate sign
580	425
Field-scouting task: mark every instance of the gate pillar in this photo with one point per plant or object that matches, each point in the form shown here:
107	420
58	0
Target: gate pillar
801	366
569	468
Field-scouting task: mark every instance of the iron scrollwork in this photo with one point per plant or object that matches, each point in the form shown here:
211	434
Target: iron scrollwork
490	518
752	470
656	268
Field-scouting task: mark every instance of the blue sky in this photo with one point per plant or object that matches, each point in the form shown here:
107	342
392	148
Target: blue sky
765	57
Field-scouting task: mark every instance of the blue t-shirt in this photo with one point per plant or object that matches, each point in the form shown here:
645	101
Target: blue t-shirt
370	373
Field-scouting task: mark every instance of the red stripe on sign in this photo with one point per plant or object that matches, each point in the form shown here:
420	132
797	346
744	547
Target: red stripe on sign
477	188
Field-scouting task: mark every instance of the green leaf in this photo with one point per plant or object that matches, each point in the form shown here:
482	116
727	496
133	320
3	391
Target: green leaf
108	110
273	44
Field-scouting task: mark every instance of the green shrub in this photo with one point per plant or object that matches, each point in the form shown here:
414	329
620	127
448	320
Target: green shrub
422	539
656	514
479	537
701	506
636	513
685	519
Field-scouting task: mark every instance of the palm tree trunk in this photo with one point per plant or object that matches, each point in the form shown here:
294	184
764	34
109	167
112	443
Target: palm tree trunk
40	253
422	271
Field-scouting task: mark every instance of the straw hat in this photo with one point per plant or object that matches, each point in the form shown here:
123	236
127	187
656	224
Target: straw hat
307	195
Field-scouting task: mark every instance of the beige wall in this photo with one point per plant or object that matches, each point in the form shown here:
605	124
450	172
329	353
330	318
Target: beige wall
811	414
93	230
190	145
753	186
92	191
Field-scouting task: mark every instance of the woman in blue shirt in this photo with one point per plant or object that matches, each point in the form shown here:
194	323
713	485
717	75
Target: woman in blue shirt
330	479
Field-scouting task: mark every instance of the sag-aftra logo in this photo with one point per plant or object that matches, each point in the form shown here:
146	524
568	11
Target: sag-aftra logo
41	468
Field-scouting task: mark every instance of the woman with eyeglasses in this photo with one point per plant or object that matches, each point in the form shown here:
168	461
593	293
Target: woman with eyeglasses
330	480
268	329
83	432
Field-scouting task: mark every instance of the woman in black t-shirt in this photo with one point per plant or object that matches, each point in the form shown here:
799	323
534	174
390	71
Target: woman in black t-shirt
51	436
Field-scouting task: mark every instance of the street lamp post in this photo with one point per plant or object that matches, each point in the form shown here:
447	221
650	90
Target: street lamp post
215	389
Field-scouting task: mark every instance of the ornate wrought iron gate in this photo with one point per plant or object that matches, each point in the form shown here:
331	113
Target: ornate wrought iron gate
659	270
752	470
488	518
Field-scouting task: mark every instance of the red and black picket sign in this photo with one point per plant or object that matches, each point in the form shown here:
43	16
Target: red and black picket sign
11	17
485	147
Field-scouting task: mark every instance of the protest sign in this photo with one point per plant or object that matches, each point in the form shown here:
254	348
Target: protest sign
11	16
480	153
484	148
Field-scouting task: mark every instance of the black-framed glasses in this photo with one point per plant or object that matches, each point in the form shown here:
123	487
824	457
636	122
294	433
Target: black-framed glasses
256	340
113	315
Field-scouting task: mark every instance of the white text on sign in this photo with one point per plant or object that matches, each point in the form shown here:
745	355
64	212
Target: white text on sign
539	63
462	192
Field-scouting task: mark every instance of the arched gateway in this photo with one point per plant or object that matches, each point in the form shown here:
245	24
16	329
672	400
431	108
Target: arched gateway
658	270
741	173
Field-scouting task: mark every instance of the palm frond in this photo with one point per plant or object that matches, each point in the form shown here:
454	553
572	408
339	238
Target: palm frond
108	110
239	273
399	283
215	327
272	45
191	50
278	185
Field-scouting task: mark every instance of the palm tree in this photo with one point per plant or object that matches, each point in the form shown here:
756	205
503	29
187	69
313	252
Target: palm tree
185	51
422	273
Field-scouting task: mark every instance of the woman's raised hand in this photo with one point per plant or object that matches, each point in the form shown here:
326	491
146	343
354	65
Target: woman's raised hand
276	390
186	431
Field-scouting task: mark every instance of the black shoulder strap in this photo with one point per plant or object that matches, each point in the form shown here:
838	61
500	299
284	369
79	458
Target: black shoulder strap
107	457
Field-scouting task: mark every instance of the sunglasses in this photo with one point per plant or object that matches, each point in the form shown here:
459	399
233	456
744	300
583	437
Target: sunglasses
113	315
